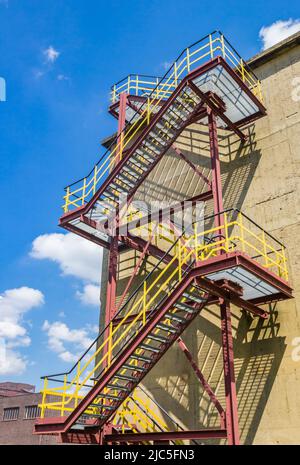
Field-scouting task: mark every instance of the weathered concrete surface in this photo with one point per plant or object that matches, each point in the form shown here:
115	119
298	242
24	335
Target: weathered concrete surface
262	179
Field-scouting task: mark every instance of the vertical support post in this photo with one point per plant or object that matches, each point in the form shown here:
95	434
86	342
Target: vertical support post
121	125
215	165
216	170
112	279
231	413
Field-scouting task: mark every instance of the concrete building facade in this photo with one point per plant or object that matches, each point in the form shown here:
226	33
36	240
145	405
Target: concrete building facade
18	412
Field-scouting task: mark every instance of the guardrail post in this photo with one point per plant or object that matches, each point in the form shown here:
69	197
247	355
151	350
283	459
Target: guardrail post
210	47
241	226
77	382
83	191
121	125
63	397
188	60
179	261
44	397
226	233
95	179
110	343
265	248
67	200
216	172
223	47
144	303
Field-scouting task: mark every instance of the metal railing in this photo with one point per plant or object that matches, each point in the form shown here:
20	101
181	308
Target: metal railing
210	47
237	232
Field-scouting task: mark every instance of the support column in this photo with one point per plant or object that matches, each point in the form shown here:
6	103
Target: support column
112	280
113	250
215	165
231	412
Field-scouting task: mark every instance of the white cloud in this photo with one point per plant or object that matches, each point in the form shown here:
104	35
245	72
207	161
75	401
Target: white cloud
51	54
62	77
280	30
90	295
12	363
14	303
166	65
67	343
75	256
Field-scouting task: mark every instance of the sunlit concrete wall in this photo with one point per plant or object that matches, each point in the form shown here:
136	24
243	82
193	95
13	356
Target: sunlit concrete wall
262	179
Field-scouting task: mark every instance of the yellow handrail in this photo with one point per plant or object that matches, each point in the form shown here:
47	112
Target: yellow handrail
214	45
235	234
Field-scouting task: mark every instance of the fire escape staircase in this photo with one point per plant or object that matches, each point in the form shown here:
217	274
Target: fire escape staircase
191	274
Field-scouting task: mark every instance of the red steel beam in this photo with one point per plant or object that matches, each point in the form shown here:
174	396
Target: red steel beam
231	412
218	111
215	166
195	168
212	433
202	69
202	380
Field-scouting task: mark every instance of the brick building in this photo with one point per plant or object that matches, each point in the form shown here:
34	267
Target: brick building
18	411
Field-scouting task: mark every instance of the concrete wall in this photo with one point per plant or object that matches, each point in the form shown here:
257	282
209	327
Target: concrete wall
262	179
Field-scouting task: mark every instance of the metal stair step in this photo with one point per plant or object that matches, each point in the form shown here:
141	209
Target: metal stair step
142	358
108	407
95	415
143	161
116	186
164	327
117	387
158	338
136	163
103	204
129	185
150	142
102	406
133	367
125	377
109	396
131	171
119	190
109	197
193	297
170	110
184	307
175	317
150	348
149	158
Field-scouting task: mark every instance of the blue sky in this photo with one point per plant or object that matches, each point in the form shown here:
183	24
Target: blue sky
59	59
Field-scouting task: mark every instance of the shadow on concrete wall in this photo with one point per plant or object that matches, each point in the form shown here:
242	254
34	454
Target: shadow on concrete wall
258	355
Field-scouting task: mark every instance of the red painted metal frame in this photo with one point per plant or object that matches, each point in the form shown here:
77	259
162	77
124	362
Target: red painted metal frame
195	168
187	80
167	436
215	166
231	411
203	381
137	267
216	292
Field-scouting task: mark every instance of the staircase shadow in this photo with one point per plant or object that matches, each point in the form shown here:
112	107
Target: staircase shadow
258	354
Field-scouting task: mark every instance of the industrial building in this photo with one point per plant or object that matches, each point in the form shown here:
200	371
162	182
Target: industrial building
196	204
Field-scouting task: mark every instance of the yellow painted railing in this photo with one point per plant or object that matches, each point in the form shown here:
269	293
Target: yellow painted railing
236	233
214	45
